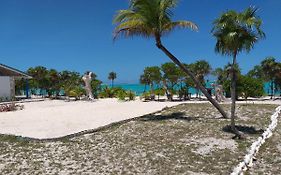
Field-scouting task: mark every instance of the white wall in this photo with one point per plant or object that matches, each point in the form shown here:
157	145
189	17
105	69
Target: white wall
5	87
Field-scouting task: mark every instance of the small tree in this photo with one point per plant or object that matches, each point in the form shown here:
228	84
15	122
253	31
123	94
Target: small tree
39	80
171	77
249	87
53	82
112	76
256	72
201	68
151	76
270	70
278	78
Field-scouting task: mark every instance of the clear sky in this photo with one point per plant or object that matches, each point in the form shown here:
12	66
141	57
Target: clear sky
77	35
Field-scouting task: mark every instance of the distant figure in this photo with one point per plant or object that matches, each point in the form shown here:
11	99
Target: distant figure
87	78
219	93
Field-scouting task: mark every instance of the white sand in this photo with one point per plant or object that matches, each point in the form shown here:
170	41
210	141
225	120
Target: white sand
51	119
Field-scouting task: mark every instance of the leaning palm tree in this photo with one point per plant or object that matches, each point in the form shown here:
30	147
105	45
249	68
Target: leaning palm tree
112	76
152	18
236	32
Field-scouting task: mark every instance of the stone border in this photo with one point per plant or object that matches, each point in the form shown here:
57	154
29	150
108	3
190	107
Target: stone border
254	149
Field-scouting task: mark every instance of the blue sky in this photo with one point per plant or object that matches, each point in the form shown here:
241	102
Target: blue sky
77	35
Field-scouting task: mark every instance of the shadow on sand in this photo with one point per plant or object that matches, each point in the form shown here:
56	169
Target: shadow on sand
175	116
244	129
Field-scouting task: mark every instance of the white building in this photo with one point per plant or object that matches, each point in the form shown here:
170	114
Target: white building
8	75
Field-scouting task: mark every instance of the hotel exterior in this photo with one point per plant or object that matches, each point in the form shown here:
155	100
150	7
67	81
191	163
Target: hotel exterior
8	75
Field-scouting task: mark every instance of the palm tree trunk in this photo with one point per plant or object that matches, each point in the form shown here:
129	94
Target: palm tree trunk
152	95
189	73
233	98
272	89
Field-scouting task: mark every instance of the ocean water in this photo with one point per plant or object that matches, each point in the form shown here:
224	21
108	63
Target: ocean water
139	88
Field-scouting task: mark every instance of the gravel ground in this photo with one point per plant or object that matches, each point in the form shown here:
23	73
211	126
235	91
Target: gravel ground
185	139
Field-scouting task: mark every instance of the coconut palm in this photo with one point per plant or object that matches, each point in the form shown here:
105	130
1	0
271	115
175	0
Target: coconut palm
201	68
270	69
152	18
236	32
112	76
151	76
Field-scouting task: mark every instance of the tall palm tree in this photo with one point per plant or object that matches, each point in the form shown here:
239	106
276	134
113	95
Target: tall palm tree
152	18
236	32
112	76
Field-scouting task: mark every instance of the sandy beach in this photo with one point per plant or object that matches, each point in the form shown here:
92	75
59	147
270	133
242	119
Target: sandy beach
55	118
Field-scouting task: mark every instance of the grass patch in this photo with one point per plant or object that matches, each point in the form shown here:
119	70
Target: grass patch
186	139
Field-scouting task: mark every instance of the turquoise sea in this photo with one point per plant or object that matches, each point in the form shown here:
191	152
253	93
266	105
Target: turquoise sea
139	88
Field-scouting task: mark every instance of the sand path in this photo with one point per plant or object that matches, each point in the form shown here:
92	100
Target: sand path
52	119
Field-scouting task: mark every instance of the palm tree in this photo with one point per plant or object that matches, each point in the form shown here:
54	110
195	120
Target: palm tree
201	68
112	76
256	72
151	76
152	18
171	77
236	32
270	69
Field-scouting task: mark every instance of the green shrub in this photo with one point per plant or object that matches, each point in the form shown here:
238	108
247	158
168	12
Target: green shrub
246	86
146	96
121	95
250	87
131	95
75	92
107	93
112	92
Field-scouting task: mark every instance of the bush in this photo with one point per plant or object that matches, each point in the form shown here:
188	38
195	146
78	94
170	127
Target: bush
113	92
75	92
159	92
146	96
131	95
121	95
246	87
107	93
250	87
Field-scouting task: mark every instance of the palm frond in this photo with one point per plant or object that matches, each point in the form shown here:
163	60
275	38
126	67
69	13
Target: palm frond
148	18
180	24
236	32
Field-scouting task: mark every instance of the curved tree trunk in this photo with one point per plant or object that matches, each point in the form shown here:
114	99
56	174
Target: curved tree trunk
189	73
233	98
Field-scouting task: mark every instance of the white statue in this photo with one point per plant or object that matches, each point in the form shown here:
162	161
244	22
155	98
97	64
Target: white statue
87	78
219	93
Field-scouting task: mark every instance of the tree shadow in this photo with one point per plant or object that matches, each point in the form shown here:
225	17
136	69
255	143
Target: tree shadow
244	129
175	116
